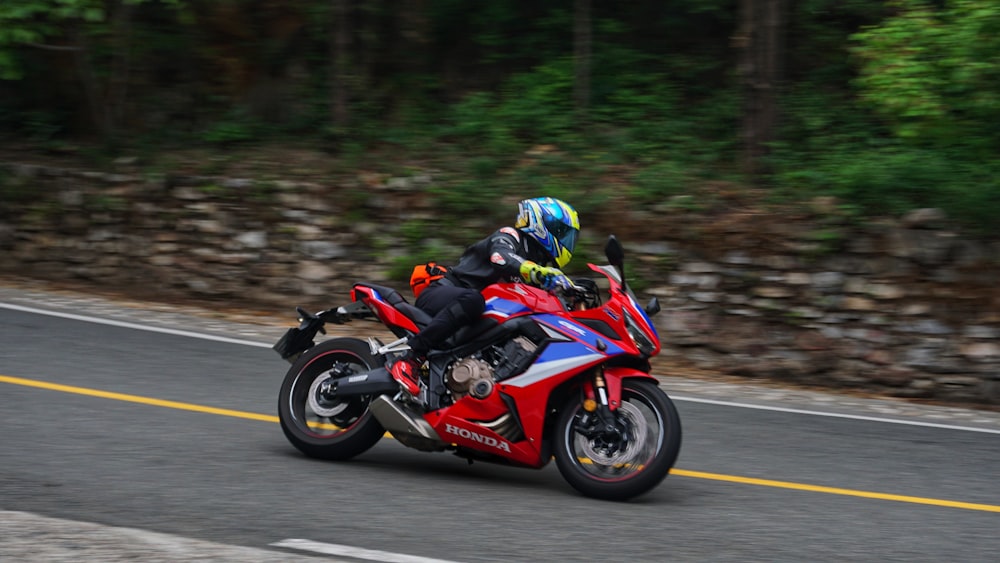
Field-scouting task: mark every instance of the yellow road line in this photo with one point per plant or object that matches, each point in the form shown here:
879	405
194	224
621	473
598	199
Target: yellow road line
135	399
833	490
675	471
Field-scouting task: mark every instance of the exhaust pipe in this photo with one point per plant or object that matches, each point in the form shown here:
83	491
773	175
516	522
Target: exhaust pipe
375	382
407	427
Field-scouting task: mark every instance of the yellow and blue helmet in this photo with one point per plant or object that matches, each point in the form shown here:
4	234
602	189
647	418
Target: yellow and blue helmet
553	223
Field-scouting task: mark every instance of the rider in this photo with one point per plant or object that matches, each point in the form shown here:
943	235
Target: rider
540	243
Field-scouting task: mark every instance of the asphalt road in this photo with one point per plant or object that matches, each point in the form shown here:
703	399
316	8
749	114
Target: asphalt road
751	484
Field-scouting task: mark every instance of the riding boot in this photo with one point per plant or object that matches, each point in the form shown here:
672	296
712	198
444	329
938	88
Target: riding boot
406	371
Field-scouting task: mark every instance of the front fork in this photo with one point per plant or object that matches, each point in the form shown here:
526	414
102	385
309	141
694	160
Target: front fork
599	403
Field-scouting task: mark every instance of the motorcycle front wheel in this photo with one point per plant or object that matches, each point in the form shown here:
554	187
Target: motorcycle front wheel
625	462
319	424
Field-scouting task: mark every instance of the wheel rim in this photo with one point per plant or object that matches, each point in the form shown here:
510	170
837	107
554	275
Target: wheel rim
618	458
319	401
314	411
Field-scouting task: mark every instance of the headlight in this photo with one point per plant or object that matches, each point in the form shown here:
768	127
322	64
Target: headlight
639	338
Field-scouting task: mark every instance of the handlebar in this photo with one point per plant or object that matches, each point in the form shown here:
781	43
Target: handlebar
581	294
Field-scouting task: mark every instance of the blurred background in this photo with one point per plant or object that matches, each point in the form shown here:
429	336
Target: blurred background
809	186
886	105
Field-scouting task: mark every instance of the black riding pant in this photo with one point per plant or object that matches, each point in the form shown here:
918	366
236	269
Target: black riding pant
451	307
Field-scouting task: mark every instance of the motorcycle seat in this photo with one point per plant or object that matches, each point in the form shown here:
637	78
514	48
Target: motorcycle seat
393	297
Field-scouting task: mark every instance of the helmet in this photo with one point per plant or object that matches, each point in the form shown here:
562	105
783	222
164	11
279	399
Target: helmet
553	223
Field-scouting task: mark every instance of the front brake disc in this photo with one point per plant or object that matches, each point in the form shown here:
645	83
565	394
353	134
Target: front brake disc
627	447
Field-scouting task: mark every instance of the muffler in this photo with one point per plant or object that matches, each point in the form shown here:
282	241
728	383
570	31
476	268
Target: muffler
375	382
409	428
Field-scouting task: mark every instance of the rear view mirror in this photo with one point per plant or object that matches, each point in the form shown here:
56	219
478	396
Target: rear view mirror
615	253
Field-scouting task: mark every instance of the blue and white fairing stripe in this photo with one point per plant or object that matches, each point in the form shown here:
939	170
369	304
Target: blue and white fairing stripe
378	297
556	359
579	332
503	308
560	357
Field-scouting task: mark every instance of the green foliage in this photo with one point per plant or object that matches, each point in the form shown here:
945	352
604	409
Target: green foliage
537	106
934	73
106	203
413	232
463	198
33	22
887	105
660	181
893	179
14	190
534	107
238	127
41	127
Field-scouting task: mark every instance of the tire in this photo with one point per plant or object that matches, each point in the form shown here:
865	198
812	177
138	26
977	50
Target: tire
320	427
613	470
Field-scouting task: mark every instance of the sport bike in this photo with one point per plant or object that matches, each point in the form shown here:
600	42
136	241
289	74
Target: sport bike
541	374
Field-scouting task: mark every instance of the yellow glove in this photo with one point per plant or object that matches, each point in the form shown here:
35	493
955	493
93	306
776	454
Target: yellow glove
545	277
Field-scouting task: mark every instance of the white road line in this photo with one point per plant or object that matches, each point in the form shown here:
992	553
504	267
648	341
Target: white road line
134	326
835	415
189	334
356	552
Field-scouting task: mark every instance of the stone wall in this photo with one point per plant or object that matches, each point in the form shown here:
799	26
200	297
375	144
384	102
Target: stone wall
904	307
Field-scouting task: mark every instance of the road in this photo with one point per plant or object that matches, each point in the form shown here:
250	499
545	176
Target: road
173	431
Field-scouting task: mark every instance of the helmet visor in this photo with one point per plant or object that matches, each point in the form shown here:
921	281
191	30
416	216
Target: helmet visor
565	234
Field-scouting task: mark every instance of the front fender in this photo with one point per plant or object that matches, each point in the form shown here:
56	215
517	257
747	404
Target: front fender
613	377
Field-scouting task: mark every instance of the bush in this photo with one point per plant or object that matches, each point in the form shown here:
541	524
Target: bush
893	179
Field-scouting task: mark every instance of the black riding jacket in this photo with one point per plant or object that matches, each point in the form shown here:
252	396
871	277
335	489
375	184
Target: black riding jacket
497	257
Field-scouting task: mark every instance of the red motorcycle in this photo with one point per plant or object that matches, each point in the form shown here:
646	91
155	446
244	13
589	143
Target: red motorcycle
538	376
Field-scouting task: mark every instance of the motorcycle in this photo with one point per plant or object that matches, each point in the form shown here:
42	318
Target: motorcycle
540	375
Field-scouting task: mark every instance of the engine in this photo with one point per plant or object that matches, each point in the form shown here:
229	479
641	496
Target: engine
470	376
475	375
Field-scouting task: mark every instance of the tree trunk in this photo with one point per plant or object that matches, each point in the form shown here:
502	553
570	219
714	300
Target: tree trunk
339	60
91	87
582	44
105	83
121	69
761	45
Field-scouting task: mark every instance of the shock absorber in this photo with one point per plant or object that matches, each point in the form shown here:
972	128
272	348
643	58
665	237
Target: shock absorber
602	404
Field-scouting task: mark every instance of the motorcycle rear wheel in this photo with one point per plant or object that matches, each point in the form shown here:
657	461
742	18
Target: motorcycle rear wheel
321	427
627	466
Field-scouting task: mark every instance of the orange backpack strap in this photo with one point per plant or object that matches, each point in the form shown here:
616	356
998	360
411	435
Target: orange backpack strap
424	274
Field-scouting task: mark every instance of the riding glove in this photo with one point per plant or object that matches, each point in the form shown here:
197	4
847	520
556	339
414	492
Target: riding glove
543	276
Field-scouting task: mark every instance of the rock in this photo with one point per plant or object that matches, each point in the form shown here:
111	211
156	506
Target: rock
189	194
654	248
981	332
828	282
927	218
737	258
905	306
981	351
886	291
700	281
237	183
857	304
252	239
798	278
915	309
322	249
927	326
773	292
930	248
314	271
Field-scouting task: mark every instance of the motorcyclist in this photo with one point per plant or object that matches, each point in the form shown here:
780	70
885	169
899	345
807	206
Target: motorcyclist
533	250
